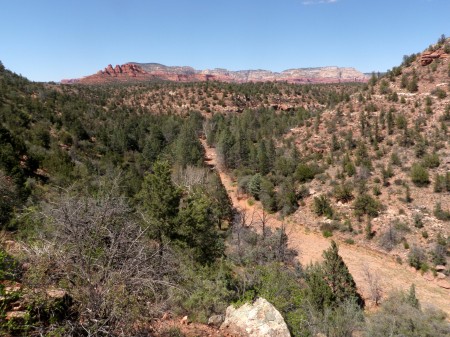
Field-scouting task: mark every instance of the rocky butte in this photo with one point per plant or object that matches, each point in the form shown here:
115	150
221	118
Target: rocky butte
133	72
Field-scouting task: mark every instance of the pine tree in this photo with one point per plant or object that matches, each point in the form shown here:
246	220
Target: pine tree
160	200
188	150
263	159
338	277
217	194
197	229
318	292
390	122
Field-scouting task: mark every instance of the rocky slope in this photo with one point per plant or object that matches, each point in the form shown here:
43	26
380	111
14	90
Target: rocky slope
132	72
398	123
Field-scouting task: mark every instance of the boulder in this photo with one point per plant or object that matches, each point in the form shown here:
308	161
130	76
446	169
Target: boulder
440	267
216	320
184	320
441	276
258	319
444	284
15	315
56	293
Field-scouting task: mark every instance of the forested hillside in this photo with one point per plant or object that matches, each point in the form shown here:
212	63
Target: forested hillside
110	218
372	168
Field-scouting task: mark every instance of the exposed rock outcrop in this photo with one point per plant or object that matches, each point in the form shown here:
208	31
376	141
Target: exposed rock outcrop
429	56
155	71
259	319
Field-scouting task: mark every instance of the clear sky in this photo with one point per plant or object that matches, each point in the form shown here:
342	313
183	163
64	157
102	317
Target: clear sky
48	40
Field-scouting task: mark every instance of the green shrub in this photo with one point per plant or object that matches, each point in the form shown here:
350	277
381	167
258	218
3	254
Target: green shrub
416	257
281	287
438	254
9	267
376	190
439	93
431	160
172	332
418	220
419	175
365	204
254	186
210	290
349	241
327	233
441	214
343	192
389	239
322	206
305	172
400	315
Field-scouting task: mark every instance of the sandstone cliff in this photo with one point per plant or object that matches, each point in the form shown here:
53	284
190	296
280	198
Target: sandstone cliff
131	72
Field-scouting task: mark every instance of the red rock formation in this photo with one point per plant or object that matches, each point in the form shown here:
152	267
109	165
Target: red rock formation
150	71
427	57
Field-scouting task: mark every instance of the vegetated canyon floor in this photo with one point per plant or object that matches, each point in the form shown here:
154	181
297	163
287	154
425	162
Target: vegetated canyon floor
310	245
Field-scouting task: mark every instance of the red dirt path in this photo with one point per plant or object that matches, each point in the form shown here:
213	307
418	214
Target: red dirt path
310	245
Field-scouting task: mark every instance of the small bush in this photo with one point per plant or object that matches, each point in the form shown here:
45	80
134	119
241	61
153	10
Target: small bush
439	93
441	214
305	172
439	183
389	239
327	233
418	220
365	204
419	175
431	160
376	190
322	206
343	193
401	315
438	254
416	257
172	332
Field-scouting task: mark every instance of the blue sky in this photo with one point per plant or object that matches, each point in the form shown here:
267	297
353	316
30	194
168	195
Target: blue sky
54	39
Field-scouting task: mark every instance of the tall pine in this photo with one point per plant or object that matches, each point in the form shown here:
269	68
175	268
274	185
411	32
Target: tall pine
160	200
338	276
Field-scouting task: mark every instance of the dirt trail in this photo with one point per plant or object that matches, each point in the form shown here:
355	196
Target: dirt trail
311	245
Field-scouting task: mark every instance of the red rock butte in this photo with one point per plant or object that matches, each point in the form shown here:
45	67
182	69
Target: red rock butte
142	72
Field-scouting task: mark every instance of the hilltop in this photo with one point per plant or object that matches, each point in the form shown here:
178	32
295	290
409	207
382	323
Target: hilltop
142	72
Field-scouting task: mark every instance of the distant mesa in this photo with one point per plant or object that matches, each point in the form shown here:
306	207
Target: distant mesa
142	72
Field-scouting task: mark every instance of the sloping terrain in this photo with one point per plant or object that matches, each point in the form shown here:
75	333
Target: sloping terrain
360	259
379	143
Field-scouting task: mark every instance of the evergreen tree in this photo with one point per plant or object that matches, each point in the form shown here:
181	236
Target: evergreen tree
263	159
154	144
160	200
390	122
217	194
318	292
224	147
197	229
338	277
188	150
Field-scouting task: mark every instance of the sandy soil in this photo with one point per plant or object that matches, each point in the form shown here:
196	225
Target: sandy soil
392	276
